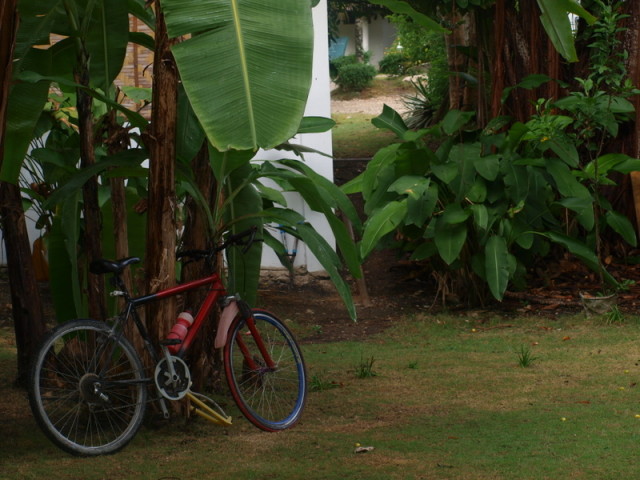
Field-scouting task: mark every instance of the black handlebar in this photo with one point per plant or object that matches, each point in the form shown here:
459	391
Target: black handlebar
234	239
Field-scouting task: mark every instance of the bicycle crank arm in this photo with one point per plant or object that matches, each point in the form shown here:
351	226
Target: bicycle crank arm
207	412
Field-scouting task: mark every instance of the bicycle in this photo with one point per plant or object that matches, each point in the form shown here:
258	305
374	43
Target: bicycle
89	390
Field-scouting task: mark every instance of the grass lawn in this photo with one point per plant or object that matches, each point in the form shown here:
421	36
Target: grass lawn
442	397
354	136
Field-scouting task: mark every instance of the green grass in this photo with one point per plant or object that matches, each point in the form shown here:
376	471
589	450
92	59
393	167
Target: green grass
354	136
448	401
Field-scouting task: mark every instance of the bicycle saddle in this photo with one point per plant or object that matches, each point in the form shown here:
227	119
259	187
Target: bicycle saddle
102	266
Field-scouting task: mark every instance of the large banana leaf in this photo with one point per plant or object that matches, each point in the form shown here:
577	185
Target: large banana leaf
555	20
246	67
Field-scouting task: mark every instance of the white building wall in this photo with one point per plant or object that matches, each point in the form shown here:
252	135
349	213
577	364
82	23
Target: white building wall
377	36
318	105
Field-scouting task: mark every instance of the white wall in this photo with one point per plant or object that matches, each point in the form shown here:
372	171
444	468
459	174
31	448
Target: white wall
377	35
319	104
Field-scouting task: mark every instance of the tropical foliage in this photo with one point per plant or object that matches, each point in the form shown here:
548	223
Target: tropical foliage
482	201
245	72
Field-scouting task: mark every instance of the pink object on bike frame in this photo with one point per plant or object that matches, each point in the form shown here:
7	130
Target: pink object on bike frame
228	314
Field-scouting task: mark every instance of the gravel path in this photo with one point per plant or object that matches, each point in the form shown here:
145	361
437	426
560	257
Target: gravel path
370	106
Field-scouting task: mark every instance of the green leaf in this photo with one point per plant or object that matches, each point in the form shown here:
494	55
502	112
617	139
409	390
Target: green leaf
611	161
583	208
237	65
242	210
315	125
318	246
391	120
497	265
140	10
189	133
565	149
555	21
75	183
580	250
223	163
621	224
25	104
135	118
454	213
446	172
411	185
383	221
420	209
137	94
488	166
450	239
480	216
565	182
61	272
333	196
454	120
106	41
528	83
397	6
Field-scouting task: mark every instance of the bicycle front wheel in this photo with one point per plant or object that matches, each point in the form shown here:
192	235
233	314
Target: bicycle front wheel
87	390
270	397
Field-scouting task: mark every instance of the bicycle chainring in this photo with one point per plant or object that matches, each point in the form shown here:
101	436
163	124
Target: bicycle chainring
172	386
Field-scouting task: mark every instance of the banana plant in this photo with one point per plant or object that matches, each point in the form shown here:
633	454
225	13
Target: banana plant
245	66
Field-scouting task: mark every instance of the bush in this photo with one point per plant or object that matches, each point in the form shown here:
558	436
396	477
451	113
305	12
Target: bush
338	63
355	77
394	63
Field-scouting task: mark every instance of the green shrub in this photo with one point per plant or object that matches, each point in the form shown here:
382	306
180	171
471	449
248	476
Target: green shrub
338	63
486	205
355	77
393	63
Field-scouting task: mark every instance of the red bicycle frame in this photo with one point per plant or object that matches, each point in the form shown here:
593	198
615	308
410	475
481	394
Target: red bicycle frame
216	290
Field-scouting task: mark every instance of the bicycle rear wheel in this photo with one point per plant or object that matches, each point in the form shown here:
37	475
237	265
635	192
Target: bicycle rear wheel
270	398
87	392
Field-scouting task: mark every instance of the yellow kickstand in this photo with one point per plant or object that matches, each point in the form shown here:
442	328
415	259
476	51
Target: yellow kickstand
207	412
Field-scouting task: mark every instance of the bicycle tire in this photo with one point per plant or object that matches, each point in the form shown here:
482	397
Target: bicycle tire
87	391
271	400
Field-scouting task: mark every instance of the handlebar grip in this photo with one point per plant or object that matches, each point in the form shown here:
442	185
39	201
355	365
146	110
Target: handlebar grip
192	253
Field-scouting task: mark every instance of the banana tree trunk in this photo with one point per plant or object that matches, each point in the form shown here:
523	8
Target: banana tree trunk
202	352
91	208
161	225
25	297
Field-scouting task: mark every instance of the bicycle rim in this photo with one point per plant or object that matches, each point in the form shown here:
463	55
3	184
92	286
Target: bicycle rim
87	391
270	399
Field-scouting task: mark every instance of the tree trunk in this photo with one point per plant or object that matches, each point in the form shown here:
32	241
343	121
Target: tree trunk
92	216
629	140
205	361
462	35
25	297
118	142
161	225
